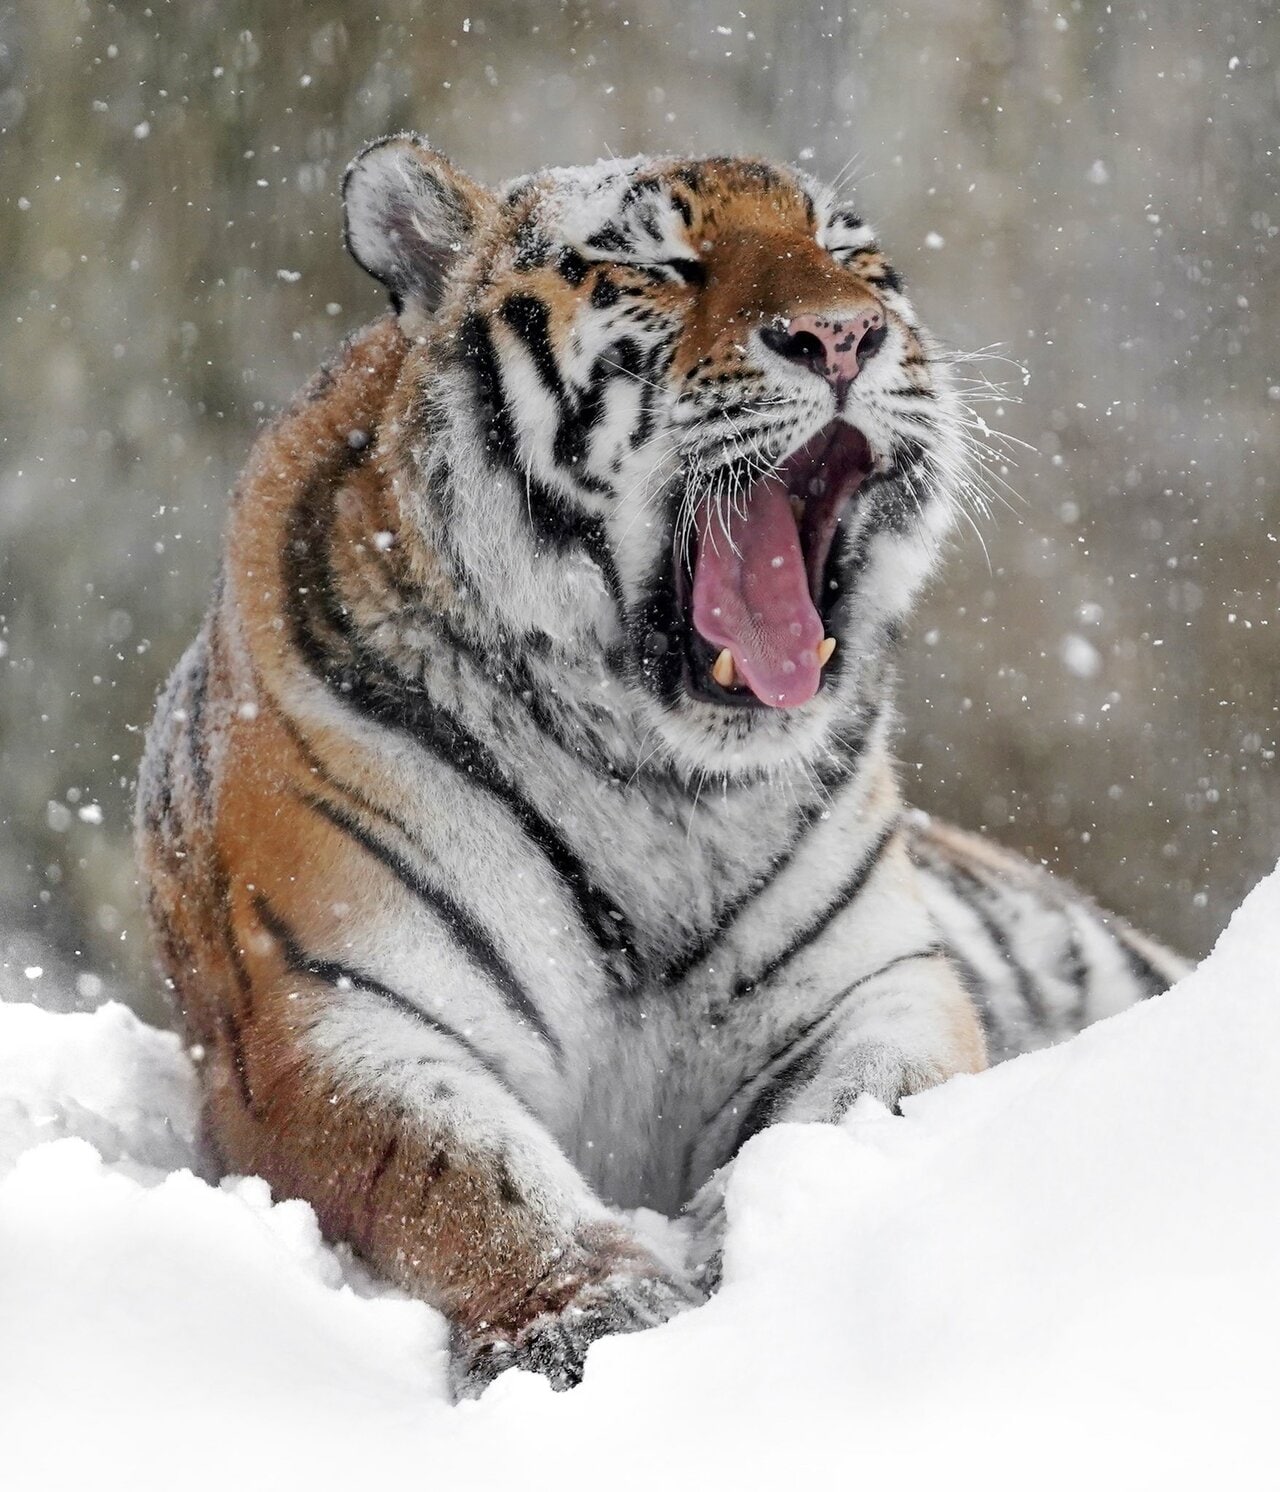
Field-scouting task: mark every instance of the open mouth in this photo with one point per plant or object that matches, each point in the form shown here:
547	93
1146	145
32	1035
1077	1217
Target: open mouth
757	633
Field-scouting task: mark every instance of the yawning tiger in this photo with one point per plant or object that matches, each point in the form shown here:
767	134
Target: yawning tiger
521	832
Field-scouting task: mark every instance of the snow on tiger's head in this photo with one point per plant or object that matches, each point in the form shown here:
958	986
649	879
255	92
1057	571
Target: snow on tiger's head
685	415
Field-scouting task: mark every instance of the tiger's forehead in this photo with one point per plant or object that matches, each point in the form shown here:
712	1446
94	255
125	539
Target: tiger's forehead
667	202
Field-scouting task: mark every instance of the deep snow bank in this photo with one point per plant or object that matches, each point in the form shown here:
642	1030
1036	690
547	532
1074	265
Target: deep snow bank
1064	1271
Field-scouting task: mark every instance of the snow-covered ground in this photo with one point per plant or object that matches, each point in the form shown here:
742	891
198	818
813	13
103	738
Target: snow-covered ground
1065	1272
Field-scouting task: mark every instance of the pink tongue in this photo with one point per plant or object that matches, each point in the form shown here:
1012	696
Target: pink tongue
751	595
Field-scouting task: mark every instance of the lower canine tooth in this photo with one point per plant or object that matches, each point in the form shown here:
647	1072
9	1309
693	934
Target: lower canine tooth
825	649
723	671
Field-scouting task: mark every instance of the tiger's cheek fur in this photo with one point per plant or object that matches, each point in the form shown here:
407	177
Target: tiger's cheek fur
583	353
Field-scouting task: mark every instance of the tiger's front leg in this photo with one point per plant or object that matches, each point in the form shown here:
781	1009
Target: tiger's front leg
412	1146
900	1030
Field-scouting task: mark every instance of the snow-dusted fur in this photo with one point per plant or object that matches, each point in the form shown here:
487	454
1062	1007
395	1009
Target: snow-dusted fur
484	918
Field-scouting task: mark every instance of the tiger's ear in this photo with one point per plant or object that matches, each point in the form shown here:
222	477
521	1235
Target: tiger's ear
407	214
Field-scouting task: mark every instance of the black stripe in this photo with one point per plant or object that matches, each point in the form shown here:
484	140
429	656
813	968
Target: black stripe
557	525
462	926
381	1165
849	754
589	535
475	344
442	494
784	1083
610	239
325	638
338	974
532	247
634	193
220	885
321	772
968	975
973	892
529	318
554	521
917	419
605	292
758	1105
976	987
320	621
523	189
1153	981
161	814
239	1068
620	360
572	266
1075	968
901	494
414	714
658	359
846	895
793	1073
657	632
576	730
197	697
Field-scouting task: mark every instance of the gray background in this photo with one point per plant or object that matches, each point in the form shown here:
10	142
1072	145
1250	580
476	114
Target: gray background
1090	189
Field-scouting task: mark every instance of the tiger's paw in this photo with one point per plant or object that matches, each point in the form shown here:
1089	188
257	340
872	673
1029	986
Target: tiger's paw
707	1225
555	1344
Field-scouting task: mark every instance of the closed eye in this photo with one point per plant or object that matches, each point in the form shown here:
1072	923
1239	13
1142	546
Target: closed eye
691	271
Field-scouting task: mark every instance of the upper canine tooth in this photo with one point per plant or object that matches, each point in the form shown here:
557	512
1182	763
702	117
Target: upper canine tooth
825	649
723	671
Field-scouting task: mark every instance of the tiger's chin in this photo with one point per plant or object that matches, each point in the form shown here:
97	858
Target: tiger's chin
705	739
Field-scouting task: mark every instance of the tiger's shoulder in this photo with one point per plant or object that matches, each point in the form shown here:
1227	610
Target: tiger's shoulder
312	554
318	555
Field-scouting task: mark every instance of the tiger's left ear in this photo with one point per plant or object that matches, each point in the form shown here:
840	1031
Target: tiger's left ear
407	214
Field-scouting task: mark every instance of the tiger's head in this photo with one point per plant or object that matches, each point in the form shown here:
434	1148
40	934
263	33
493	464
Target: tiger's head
673	415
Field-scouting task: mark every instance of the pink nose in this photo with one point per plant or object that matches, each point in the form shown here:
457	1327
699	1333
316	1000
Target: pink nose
835	347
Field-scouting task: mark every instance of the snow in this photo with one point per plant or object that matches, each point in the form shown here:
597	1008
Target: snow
1063	1272
1080	657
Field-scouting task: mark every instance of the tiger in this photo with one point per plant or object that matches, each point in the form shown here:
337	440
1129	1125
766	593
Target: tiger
521	833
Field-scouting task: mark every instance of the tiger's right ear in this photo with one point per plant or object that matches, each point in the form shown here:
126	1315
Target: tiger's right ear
407	214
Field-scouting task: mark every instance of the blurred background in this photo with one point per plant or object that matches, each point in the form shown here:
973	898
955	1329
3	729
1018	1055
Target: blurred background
1088	190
